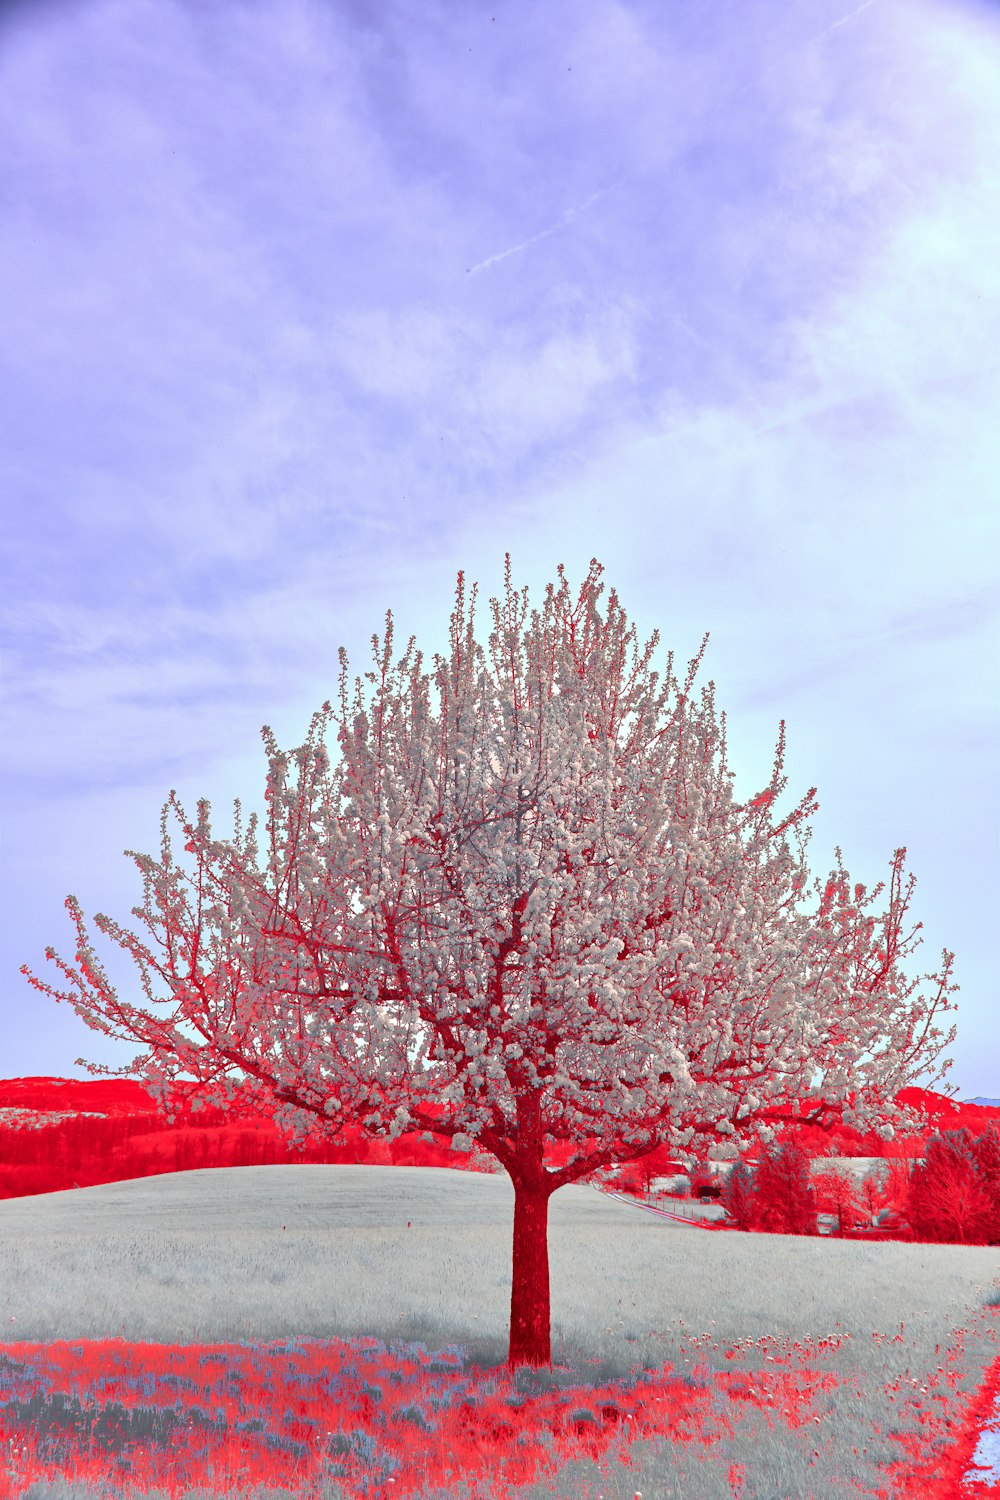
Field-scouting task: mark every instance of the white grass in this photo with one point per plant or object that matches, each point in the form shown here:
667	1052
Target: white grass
202	1256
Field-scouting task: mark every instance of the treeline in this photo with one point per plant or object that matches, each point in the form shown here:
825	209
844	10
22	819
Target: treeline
951	1197
58	1134
40	1154
85	1150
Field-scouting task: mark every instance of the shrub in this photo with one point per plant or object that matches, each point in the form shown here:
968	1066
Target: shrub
704	1182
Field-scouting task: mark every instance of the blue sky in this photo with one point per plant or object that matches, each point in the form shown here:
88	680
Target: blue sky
307	306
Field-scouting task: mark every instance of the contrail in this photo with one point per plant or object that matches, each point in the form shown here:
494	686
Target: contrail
851	15
564	218
812	409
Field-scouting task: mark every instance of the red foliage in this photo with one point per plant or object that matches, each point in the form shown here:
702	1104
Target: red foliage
786	1203
839	1194
637	1176
325	1409
117	1134
953	1196
739	1199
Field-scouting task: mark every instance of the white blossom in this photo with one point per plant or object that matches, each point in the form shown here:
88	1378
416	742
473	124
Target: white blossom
535	901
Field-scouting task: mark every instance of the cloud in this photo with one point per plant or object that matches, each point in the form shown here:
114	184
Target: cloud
730	326
407	354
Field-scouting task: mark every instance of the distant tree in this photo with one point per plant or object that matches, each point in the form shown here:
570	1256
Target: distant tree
885	1192
838	1192
640	1175
874	1191
950	1199
786	1203
986	1150
537	905
739	1197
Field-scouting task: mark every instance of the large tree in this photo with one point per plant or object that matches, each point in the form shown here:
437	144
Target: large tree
536	903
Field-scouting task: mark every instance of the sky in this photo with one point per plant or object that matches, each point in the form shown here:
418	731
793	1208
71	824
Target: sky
308	306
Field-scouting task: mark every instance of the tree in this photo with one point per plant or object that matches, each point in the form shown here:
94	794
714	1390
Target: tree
785	1201
986	1151
640	1175
704	1182
894	1183
739	1197
950	1198
538	905
838	1193
877	1190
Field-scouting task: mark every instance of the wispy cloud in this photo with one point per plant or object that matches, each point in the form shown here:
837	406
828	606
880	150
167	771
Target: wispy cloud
297	323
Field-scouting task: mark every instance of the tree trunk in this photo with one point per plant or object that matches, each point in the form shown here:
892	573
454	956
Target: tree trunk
530	1339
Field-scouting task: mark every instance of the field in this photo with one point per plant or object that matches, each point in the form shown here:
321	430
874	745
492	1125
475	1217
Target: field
750	1366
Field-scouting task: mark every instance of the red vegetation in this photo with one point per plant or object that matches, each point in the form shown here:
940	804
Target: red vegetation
231	1417
153	1411
405	1416
785	1201
954	1194
58	1133
835	1138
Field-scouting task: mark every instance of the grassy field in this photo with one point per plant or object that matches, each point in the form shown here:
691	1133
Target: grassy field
423	1255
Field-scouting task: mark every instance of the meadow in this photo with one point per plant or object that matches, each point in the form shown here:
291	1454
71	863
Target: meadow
332	1331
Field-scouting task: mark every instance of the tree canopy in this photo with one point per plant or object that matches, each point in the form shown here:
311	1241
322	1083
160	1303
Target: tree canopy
535	900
